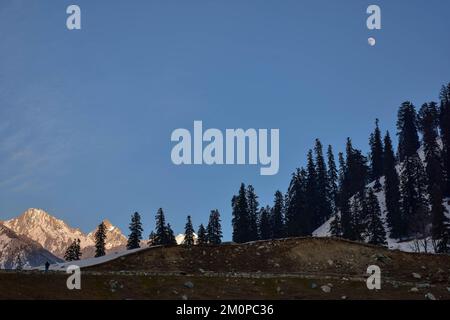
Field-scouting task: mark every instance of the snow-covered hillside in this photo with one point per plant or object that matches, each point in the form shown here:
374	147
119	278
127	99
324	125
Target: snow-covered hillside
409	246
62	266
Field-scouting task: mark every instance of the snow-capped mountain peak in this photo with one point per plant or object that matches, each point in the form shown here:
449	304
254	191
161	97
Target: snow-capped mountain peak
16	249
114	237
180	238
55	235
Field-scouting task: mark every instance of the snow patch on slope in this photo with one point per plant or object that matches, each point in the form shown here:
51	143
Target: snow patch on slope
92	261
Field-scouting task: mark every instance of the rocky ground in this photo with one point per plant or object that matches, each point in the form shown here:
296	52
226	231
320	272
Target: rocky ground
308	268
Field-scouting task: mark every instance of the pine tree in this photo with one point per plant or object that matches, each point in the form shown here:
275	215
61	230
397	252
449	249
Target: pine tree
376	233
170	235
341	172
408	138
413	206
428	125
241	220
135	237
392	190
444	243
376	156
353	185
357	224
68	255
202	236
277	216
152	239
188	233
332	176
336	226
323	195
413	203
73	252
77	250
265	227
214	229
341	176
342	210
161	234
312	198
100	240
444	125
297	220
253	209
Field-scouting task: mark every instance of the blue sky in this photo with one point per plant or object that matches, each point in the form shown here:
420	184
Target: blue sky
86	116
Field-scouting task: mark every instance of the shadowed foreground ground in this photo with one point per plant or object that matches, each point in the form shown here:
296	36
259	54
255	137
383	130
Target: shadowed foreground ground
306	268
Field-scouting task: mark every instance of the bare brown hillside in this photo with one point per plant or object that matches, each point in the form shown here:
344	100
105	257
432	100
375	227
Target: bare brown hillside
324	256
301	268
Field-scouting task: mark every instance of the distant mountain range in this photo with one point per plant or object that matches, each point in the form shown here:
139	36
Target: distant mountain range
35	237
41	237
19	250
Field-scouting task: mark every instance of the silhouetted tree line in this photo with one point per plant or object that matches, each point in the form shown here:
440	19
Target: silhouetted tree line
413	190
162	235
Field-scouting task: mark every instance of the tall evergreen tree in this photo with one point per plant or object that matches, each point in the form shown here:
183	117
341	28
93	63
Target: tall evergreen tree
412	178
376	156
341	172
135	237
297	218
188	233
277	216
376	233
341	175
357	225
332	177
345	194
73	252
241	220
353	185
152	239
444	125
253	209
161	232
413	203
323	194
336	226
170	235
265	227
77	250
444	243
202	235
68	255
100	240
311	194
214	229
408	138
392	190
428	125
